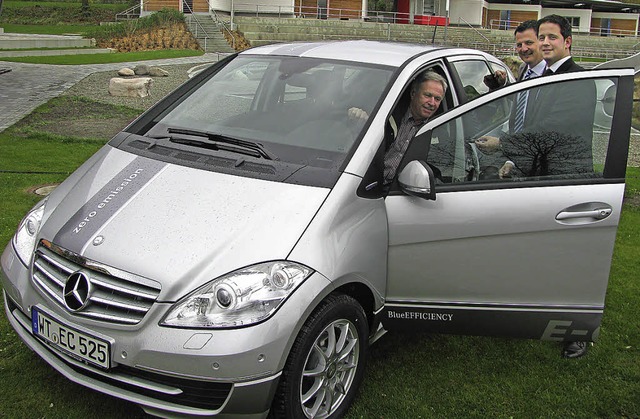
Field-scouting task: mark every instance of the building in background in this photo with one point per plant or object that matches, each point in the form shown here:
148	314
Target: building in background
601	17
598	17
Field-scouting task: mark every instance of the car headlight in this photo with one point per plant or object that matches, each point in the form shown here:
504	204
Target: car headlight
25	238
240	298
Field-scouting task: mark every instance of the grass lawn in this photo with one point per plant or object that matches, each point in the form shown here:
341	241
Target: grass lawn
61	29
409	375
11	4
116	57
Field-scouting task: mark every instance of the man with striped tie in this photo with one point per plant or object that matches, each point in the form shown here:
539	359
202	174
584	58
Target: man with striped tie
528	50
533	65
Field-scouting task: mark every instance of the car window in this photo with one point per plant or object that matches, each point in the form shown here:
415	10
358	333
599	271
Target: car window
472	74
565	135
295	107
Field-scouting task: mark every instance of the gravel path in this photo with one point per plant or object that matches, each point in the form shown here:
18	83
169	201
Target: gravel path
96	86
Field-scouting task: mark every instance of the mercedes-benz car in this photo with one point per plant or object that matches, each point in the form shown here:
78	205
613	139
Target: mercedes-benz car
234	250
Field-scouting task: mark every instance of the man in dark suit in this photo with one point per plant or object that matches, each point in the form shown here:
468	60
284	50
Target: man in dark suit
555	137
554	34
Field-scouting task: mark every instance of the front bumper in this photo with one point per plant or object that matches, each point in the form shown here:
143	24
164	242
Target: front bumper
167	371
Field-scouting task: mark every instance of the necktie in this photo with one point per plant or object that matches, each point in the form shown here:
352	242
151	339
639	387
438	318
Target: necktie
521	105
547	72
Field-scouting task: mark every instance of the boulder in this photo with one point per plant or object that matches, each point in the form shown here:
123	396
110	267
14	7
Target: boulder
158	72
138	87
141	69
126	72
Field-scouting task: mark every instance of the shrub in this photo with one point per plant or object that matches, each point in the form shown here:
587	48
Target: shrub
162	18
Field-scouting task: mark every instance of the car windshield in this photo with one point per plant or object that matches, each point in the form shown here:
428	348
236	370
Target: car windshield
297	108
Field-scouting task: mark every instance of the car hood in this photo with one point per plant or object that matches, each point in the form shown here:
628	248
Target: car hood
176	225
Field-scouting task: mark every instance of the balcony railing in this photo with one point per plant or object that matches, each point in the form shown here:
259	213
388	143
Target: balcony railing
513	24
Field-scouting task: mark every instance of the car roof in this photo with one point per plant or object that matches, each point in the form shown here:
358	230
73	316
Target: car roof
372	52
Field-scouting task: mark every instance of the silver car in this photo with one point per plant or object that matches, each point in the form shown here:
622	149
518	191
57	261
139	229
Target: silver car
235	250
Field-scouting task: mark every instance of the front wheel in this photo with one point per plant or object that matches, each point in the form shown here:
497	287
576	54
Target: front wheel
326	363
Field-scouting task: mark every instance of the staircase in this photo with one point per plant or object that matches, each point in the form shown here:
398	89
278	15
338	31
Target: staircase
262	30
131	13
207	33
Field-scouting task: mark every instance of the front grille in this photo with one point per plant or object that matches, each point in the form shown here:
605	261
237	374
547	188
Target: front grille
115	297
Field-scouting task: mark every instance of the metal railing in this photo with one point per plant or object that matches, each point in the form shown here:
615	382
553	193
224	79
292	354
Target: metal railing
313	12
461	19
500	24
223	26
132	12
612	32
199	29
323	30
503	25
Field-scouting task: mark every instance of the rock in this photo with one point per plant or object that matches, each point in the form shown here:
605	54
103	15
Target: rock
158	72
138	87
126	72
141	69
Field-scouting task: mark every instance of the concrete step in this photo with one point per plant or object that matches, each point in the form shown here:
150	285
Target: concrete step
25	41
260	31
212	39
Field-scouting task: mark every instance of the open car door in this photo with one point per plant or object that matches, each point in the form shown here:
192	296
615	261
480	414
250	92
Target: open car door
525	253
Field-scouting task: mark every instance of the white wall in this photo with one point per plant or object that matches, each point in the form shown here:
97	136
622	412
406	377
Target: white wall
583	14
469	10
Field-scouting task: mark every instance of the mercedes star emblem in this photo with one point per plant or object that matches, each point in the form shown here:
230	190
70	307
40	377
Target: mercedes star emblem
76	291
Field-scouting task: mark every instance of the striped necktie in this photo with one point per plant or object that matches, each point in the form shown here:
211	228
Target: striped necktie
521	105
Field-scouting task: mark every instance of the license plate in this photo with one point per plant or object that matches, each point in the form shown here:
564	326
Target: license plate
79	345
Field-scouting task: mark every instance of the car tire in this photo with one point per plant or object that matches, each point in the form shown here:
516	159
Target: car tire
326	364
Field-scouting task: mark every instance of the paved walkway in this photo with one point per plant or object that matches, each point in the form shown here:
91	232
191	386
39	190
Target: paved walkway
28	86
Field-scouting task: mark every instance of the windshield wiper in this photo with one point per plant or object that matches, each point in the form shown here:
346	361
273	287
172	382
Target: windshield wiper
220	142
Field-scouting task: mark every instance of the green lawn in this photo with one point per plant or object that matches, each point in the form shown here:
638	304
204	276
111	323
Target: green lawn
11	4
409	375
116	57
61	29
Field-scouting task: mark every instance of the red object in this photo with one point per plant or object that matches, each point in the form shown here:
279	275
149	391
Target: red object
403	11
430	20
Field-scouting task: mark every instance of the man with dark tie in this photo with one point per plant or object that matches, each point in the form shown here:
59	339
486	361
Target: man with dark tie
551	132
554	35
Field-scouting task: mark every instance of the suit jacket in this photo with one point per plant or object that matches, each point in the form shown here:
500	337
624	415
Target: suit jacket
521	70
558	129
568	67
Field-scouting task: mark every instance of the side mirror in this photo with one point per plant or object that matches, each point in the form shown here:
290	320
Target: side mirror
417	179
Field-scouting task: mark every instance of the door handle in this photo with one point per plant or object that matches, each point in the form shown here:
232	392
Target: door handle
597	214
